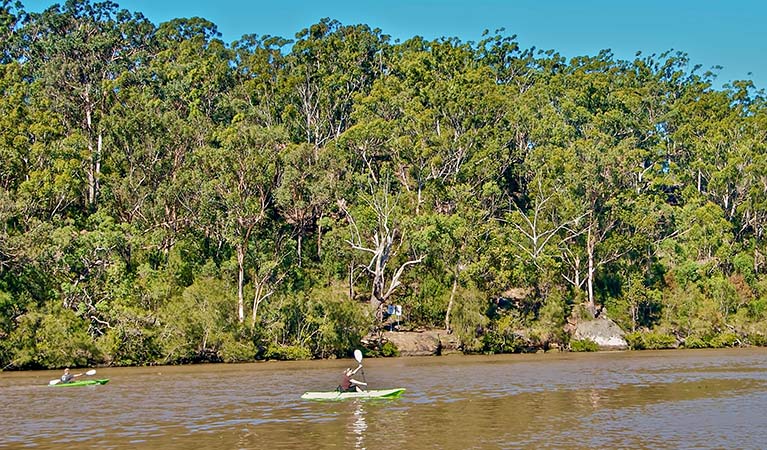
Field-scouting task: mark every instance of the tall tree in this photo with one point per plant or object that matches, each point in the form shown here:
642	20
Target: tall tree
329	65
242	173
78	52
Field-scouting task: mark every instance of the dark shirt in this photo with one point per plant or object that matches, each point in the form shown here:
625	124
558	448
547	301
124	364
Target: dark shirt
346	382
67	377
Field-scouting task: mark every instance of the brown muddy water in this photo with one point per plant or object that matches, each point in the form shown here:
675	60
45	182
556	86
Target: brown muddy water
638	400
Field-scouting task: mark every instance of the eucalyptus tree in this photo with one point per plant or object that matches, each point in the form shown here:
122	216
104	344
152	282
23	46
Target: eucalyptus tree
11	16
169	108
37	191
753	211
262	74
14	126
454	246
329	64
438	113
242	173
303	190
304	193
599	155
77	52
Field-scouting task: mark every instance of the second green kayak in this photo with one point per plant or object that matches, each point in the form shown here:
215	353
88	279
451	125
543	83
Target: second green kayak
82	383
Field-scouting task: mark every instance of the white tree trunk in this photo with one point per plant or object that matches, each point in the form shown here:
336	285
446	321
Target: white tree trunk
450	303
590	245
240	282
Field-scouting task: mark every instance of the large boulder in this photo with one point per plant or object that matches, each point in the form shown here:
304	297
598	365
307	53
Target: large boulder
602	330
421	343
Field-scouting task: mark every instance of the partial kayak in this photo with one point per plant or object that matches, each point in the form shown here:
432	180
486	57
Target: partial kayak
338	395
82	383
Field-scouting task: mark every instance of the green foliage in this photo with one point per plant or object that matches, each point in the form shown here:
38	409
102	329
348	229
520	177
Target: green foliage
503	335
757	306
167	198
725	340
649	340
52	339
287	352
132	341
468	318
757	339
743	263
552	317
583	345
428	308
389	349
695	342
639	307
195	323
657	341
719	340
324	322
495	341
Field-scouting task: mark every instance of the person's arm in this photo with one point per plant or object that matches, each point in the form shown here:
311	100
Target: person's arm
358	368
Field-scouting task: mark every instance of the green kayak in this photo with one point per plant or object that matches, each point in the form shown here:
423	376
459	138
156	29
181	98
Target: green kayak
82	383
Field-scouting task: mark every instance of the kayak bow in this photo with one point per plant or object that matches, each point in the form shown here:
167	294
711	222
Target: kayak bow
338	395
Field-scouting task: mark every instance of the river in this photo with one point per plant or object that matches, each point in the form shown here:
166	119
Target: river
639	400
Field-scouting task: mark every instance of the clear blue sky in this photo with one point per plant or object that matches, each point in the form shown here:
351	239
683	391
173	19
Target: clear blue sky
731	34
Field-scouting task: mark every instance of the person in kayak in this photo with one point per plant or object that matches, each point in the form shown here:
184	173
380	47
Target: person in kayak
349	384
69	377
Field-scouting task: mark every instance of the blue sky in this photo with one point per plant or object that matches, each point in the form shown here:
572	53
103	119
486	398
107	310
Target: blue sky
731	34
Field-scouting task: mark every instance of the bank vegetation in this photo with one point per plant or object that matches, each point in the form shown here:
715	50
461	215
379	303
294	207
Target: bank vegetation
167	197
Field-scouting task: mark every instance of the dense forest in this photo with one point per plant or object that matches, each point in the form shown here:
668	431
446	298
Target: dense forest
166	197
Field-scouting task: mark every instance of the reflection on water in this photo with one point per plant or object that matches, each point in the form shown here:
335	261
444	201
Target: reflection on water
360	425
653	400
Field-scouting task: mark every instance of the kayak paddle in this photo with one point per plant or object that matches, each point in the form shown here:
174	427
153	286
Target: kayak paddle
358	357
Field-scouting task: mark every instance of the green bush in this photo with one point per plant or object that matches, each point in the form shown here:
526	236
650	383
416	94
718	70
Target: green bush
389	349
634	340
499	342
287	352
725	340
552	317
650	340
124	345
195	322
53	339
583	345
468	317
659	341
757	339
757	308
234	350
695	342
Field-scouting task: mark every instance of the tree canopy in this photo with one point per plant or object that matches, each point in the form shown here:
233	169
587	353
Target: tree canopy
166	197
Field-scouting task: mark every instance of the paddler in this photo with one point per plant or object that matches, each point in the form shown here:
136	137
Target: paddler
349	384
69	377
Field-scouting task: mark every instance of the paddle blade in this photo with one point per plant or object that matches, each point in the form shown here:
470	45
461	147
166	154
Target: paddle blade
91	372
52	382
358	356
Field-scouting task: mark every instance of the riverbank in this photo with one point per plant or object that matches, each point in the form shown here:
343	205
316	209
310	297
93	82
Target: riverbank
597	334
